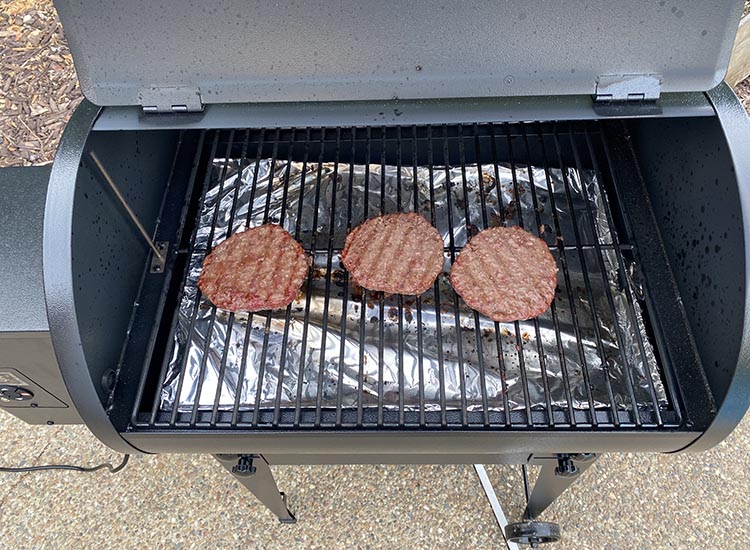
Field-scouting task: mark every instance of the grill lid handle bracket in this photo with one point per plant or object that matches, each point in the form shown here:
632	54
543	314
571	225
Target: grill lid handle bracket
618	95
628	87
171	99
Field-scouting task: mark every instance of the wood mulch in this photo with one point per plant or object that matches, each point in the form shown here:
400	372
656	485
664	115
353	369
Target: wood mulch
743	90
38	85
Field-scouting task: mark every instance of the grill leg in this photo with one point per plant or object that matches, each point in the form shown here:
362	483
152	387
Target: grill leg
255	474
557	474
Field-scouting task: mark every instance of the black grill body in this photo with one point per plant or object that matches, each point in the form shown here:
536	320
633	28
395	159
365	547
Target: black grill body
674	202
135	342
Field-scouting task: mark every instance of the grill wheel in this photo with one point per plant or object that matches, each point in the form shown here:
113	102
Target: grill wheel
532	533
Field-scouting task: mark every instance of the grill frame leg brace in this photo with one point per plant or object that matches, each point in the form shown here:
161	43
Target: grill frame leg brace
557	474
254	473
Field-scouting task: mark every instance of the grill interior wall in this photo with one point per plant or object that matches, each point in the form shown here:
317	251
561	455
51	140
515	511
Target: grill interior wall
693	190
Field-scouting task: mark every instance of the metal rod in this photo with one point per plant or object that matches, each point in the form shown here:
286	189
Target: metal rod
266	332
125	205
401	384
297	236
436	285
212	321
381	297
516	325
498	337
453	246
420	356
345	304
535	322
497	510
230	323
308	294
288	315
328	277
477	325
363	294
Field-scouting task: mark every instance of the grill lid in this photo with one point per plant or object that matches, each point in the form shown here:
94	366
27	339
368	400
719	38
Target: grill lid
179	55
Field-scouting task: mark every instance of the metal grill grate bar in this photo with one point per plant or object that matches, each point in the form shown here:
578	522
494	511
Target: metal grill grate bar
400	321
436	286
381	297
420	349
456	313
485	224
288	315
498	339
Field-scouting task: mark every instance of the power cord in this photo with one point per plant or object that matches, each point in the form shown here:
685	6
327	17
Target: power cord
83	469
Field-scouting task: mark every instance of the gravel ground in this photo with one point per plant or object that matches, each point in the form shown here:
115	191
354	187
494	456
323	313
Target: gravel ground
177	501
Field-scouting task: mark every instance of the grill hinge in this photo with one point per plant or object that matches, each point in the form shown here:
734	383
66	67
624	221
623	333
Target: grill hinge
623	94
170	100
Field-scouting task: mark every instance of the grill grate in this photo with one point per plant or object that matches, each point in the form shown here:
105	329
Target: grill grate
551	147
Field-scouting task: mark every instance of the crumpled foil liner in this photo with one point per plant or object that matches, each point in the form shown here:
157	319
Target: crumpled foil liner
329	342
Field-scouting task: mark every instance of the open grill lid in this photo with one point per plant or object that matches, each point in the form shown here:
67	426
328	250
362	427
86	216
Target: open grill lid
167	55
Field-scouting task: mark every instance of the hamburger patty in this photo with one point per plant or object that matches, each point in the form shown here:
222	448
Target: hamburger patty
506	274
395	253
258	269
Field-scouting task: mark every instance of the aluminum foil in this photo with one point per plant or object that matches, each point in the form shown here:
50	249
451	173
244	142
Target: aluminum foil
328	341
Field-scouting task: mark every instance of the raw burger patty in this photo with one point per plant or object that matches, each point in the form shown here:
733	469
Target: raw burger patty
506	274
258	269
395	253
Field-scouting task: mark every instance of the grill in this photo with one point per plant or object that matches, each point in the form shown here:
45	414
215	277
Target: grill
617	145
443	149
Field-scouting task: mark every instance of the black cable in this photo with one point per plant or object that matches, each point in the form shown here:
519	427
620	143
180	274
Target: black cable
83	469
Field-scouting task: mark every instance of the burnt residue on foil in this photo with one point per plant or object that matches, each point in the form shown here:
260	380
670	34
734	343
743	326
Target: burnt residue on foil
328	343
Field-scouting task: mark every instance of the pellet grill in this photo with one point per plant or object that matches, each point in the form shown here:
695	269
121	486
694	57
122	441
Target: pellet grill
602	127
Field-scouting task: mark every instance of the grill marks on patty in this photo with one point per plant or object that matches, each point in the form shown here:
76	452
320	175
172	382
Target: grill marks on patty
259	269
396	253
506	274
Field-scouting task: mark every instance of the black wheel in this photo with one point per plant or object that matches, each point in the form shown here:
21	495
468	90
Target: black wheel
532	532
